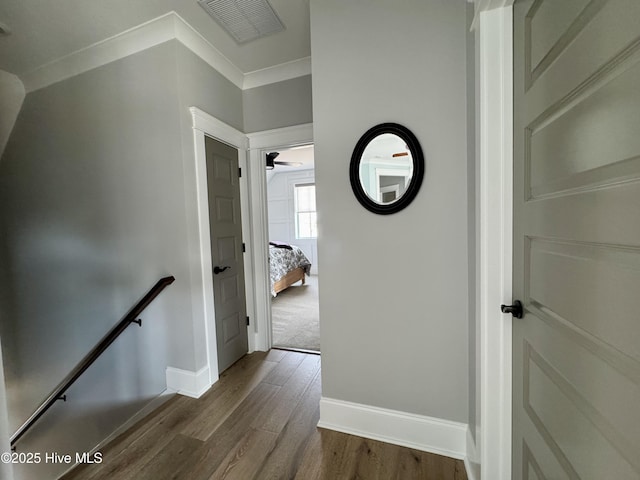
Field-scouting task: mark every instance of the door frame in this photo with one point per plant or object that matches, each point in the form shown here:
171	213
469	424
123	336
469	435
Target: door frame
260	143
494	23
206	125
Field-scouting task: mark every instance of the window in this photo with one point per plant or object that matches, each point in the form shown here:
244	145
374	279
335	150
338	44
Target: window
305	208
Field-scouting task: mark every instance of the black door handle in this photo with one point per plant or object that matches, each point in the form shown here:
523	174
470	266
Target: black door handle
217	270
516	309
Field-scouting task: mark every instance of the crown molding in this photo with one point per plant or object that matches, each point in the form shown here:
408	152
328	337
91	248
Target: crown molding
289	136
277	73
169	26
194	41
142	37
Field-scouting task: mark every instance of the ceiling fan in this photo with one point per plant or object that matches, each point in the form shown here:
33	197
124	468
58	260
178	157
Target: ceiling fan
271	161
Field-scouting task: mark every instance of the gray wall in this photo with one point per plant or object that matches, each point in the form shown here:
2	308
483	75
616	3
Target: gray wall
393	303
95	208
278	105
201	86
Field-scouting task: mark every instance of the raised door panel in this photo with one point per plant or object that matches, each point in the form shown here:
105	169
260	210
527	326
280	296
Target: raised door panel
576	352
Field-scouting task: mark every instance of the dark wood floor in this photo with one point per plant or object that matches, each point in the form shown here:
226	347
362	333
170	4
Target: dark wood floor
258	422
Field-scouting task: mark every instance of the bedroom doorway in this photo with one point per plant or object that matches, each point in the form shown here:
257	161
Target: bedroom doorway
293	249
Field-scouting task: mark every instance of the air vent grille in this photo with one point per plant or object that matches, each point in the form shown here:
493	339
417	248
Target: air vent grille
244	20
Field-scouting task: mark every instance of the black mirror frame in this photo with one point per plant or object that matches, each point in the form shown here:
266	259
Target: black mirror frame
418	168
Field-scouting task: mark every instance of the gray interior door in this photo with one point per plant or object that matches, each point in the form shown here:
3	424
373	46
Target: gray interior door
576	352
226	252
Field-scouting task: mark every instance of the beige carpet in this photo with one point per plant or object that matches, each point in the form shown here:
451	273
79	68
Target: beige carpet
294	316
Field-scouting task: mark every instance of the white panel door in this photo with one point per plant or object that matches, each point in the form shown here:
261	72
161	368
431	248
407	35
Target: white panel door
576	351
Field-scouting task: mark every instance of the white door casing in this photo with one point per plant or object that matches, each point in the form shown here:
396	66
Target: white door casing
259	144
493	21
206	125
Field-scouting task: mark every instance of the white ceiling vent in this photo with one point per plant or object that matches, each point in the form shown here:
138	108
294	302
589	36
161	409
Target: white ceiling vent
244	20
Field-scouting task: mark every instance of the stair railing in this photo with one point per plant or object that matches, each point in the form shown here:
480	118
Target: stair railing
58	393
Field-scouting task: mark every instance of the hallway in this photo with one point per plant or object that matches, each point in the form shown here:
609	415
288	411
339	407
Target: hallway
258	422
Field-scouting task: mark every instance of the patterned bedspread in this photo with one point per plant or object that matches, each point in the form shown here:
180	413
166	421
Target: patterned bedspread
283	260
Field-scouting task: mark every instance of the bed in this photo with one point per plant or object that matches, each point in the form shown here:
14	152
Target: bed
287	265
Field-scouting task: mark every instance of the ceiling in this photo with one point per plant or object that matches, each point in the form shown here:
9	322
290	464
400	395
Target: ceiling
44	31
304	155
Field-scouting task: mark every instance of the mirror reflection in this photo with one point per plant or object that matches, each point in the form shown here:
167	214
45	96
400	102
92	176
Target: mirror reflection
386	168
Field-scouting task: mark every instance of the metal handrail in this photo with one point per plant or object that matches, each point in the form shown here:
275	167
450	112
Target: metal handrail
92	356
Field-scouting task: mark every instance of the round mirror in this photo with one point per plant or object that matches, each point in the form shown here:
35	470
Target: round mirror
386	169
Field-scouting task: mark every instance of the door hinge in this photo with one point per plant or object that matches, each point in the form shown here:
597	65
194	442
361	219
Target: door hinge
247	321
239	171
244	247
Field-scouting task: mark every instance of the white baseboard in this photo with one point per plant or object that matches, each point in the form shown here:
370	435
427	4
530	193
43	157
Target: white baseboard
185	382
434	435
472	459
472	469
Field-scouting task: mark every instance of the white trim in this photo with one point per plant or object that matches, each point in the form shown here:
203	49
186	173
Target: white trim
187	383
224	132
277	73
472	474
205	275
391	172
194	41
6	469
484	5
260	242
204	124
136	39
471	460
279	137
247	225
259	144
495	195
420	432
169	26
